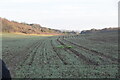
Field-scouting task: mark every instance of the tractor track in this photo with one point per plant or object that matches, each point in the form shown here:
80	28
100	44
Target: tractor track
88	61
93	51
27	52
19	60
24	51
34	53
59	56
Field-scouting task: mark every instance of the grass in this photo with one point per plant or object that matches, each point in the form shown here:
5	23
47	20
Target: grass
61	46
20	34
69	46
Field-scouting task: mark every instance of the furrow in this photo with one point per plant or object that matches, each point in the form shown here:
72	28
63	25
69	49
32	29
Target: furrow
88	61
93	51
54	49
34	53
28	53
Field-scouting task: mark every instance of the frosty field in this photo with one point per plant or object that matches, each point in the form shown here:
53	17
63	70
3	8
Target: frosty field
68	56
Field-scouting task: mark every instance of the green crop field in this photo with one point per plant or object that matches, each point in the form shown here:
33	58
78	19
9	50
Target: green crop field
68	56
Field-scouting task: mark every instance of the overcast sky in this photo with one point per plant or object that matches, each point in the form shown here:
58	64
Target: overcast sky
62	14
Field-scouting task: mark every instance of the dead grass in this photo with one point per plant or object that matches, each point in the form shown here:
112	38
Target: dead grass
42	34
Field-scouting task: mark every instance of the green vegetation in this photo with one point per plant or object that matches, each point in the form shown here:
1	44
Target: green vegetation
61	46
68	56
69	46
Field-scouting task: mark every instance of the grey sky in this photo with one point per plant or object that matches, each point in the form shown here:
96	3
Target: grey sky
62	14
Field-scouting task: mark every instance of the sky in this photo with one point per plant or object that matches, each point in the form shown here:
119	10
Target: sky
62	14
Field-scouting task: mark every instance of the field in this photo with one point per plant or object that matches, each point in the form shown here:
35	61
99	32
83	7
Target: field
68	56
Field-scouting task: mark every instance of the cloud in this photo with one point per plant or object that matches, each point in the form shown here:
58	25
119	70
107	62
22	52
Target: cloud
76	14
29	1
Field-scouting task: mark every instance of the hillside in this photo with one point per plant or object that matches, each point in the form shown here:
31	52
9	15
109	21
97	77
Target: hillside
16	27
100	30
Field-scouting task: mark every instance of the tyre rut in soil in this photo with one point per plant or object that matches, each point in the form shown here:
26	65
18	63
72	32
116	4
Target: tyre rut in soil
28	52
16	60
93	51
25	51
33	57
88	61
59	56
34	53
